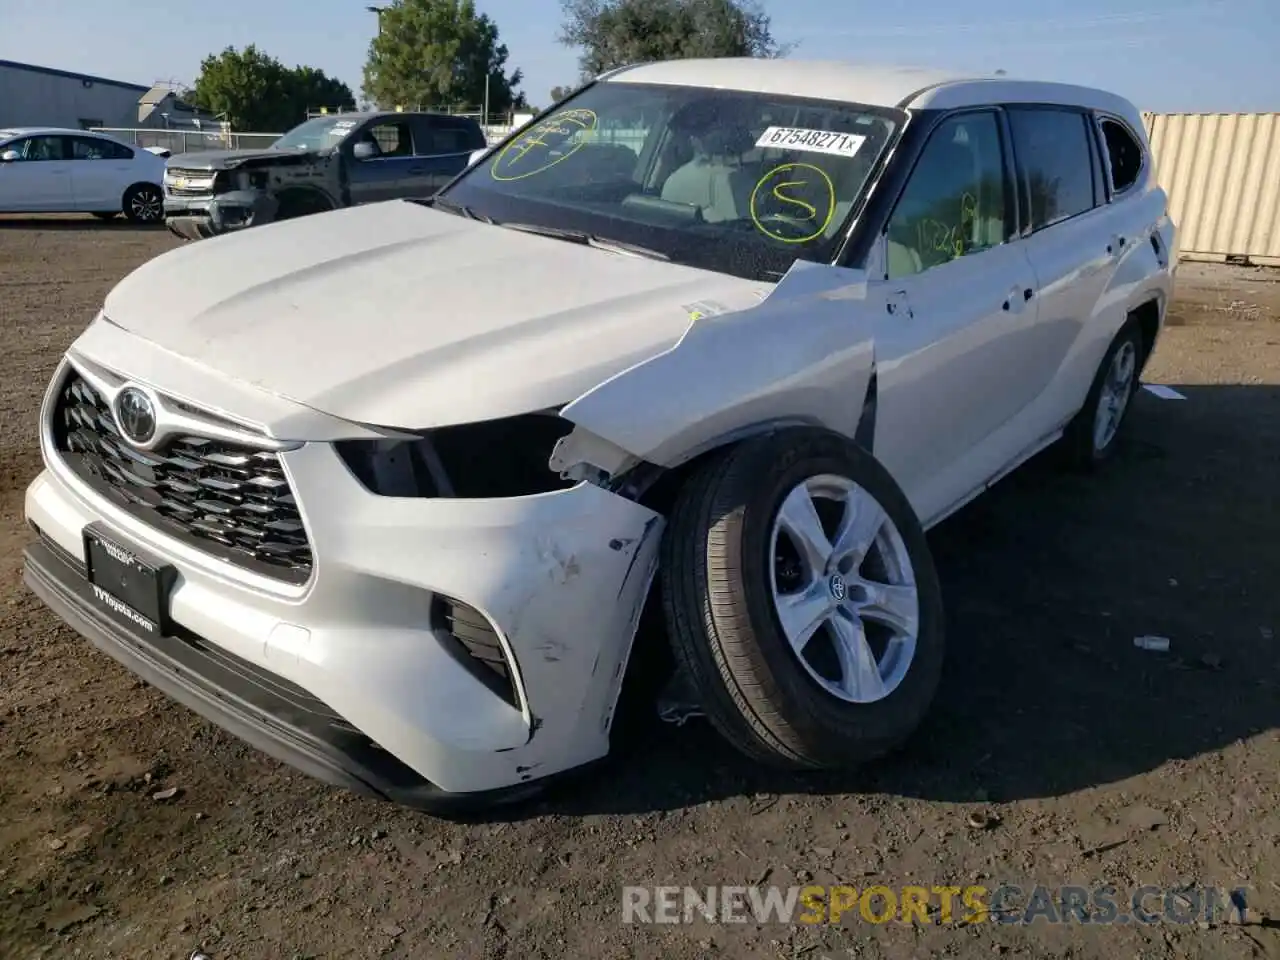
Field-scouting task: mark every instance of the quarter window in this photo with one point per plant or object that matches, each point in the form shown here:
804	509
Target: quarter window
954	203
1055	158
1124	153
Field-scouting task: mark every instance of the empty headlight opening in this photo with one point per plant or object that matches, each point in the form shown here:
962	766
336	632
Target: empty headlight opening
490	459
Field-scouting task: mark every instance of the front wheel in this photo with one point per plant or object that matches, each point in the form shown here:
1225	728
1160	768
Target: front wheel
801	596
144	203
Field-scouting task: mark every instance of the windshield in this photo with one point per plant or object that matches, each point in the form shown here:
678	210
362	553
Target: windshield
743	183
317	133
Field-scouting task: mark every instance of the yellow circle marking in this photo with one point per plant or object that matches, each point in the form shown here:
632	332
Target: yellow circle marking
564	124
794	175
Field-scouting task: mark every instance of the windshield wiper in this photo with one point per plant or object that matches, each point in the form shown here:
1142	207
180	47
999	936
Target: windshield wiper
456	208
588	240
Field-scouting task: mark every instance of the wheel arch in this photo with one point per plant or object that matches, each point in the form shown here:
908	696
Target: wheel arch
124	195
305	195
651	657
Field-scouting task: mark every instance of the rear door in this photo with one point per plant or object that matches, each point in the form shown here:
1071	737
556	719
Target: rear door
445	144
1068	236
101	170
39	181
387	174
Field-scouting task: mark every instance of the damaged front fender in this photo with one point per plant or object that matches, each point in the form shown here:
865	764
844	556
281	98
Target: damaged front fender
802	355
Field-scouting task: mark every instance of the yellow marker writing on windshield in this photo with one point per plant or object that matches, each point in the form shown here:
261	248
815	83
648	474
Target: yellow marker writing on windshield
811	211
797	215
537	144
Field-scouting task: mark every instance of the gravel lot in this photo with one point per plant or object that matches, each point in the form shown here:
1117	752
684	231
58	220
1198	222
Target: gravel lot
1080	758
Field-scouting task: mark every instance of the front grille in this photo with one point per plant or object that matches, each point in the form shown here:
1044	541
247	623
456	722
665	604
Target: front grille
178	173
229	500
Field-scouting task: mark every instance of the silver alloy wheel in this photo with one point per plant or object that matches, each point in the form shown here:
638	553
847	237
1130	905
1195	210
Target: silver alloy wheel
842	583
146	205
1113	399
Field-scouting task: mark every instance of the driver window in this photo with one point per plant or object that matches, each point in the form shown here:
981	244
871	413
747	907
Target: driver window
42	148
954	203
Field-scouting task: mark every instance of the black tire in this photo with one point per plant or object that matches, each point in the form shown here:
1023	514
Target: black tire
144	203
107	215
721	617
1080	445
292	207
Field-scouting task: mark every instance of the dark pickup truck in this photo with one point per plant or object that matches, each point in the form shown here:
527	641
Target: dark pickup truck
331	161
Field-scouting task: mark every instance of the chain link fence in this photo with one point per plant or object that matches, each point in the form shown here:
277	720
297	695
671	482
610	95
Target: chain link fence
190	141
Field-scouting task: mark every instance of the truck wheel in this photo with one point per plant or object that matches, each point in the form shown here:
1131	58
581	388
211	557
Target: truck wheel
292	207
801	596
1090	438
144	203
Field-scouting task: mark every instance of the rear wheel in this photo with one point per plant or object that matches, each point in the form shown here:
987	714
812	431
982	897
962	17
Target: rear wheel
144	203
801	597
1091	438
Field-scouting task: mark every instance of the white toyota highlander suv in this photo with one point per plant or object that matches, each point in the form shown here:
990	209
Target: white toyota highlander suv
385	490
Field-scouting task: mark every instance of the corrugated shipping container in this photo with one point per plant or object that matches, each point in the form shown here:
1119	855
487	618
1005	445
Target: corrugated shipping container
1222	174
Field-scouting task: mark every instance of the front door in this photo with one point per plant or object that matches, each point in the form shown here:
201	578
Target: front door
957	289
386	175
39	181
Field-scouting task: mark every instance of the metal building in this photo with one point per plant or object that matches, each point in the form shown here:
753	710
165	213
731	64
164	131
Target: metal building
42	96
1222	174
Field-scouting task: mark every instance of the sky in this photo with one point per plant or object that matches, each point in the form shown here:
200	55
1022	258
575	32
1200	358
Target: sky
1164	55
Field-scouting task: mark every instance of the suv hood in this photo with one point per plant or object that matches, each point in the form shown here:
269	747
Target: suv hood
398	315
228	159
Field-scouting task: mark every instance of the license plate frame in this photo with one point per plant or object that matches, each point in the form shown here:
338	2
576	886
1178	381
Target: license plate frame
128	585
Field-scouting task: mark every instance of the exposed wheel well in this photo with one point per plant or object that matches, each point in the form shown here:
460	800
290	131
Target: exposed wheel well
295	202
1147	316
652	658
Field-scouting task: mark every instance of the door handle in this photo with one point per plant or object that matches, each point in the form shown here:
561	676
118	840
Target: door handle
1027	294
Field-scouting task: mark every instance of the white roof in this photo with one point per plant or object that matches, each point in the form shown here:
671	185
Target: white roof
915	88
8	132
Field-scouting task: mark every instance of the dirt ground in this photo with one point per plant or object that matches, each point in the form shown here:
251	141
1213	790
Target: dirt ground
1058	753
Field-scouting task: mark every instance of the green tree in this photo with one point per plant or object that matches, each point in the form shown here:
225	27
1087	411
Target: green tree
559	93
257	92
438	53
613	33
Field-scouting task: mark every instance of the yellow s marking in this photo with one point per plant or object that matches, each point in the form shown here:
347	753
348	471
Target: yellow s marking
811	212
819	217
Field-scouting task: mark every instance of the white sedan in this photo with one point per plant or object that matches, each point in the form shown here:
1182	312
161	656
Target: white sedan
52	170
385	491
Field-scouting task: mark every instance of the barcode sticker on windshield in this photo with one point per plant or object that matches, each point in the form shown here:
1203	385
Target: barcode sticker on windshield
814	141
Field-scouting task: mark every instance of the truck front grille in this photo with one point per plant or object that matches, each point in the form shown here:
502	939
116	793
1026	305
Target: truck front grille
229	500
188	183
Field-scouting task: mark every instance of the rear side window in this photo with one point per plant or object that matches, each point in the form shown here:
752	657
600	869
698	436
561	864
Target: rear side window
1124	153
447	140
1055	161
93	148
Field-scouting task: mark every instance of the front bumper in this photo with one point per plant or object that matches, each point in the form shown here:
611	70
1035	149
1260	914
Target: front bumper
195	218
561	578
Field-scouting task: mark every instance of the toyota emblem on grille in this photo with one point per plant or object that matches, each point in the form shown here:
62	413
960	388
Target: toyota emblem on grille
135	415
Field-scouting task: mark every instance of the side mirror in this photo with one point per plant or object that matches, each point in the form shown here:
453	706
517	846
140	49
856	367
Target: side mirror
9	156
476	155
363	150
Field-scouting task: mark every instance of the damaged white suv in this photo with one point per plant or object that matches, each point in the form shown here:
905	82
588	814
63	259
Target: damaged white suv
384	491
